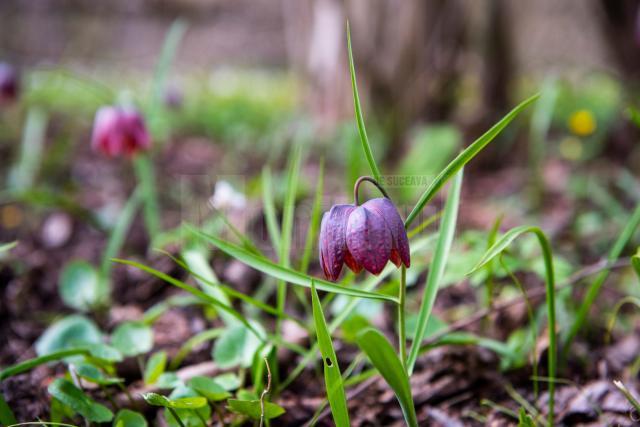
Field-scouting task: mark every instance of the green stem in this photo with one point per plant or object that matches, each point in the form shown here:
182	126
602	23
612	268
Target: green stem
551	316
175	415
402	335
532	320
146	177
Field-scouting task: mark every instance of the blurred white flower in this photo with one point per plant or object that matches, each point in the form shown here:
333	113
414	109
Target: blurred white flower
225	197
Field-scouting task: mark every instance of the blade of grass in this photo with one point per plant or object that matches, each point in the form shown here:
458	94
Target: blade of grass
532	321
146	177
116	240
463	158
167	54
229	291
24	173
332	377
6	414
614	314
269	209
594	288
196	260
194	291
424	224
288	275
155	311
630	397
491	239
382	356
547	256
28	365
246	241
314	222
358	112
293	174
466	338
436	270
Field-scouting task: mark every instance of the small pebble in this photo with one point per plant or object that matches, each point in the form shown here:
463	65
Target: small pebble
56	230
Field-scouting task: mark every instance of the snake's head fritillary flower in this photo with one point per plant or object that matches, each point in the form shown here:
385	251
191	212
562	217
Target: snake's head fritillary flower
9	83
363	237
376	234
333	242
118	131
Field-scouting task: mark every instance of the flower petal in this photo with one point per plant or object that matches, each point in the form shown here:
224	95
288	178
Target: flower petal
332	241
369	239
352	263
400	241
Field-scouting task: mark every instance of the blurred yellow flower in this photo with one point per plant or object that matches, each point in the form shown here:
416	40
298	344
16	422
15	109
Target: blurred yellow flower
582	123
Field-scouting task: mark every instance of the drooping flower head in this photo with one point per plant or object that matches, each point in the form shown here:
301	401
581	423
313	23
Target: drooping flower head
363	236
118	131
9	83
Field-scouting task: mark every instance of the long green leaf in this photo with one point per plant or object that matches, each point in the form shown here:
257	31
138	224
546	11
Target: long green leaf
635	262
288	275
332	377
465	338
463	158
194	291
158	123
231	292
27	365
269	209
196	259
145	173
6	414
24	173
436	270
596	285
358	112
547	256
383	357
288	214
314	222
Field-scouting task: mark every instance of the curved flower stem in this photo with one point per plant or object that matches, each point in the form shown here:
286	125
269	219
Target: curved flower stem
402	335
356	188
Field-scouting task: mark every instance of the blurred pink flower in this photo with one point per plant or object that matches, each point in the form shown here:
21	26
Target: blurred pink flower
118	131
9	83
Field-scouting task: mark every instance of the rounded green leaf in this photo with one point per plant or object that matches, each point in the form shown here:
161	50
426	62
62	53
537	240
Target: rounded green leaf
128	418
208	388
229	381
168	380
74	398
71	331
155	399
191	408
188	402
252	408
79	285
94	375
237	346
104	352
155	367
132	338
